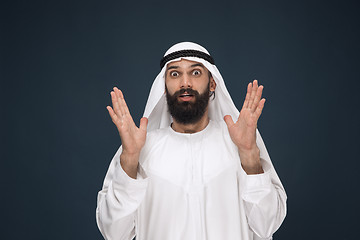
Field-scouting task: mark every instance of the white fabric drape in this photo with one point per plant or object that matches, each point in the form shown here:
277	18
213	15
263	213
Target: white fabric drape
165	202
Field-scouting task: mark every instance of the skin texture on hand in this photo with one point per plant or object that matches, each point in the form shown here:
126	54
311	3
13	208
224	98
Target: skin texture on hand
243	131
132	137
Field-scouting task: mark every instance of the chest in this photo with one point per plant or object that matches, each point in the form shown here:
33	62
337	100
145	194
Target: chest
190	160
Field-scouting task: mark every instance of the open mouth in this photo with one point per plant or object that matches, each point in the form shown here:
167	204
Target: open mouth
186	96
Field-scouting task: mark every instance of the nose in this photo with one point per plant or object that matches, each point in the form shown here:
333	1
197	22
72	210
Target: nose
186	81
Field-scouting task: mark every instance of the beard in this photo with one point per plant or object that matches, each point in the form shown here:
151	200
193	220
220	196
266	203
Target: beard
188	112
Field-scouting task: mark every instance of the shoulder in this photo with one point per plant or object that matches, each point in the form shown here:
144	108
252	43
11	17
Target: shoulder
220	127
219	124
156	134
153	137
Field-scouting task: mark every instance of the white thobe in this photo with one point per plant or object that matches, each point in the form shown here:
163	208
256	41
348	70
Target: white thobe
190	187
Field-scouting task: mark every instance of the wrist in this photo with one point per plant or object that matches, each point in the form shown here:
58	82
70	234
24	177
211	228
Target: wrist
129	163
250	154
252	169
250	160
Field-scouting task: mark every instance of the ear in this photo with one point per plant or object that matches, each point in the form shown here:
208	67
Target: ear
212	84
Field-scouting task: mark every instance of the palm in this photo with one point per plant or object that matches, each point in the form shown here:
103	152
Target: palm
243	131
132	137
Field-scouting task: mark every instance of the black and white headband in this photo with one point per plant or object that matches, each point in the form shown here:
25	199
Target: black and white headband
186	53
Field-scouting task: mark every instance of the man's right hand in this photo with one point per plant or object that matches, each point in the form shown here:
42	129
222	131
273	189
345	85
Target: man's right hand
132	137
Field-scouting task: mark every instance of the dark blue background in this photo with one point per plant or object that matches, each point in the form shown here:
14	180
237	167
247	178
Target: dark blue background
60	60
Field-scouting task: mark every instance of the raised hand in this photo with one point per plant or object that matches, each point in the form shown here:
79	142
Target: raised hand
243	131
132	137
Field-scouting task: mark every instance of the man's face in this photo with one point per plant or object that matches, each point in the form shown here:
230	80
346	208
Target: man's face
188	85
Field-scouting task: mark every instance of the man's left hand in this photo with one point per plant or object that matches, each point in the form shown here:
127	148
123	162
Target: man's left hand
243	131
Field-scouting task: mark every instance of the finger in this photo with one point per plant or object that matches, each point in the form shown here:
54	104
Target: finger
119	110
112	114
143	123
115	103
260	107
117	92
247	97
122	102
257	98
253	93
229	121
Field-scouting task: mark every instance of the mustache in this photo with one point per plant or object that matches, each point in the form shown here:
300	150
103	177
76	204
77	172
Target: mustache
189	91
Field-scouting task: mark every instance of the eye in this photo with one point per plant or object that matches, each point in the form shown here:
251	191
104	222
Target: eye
196	72
174	74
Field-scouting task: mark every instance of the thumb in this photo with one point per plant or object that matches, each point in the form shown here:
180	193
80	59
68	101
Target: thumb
228	120
143	123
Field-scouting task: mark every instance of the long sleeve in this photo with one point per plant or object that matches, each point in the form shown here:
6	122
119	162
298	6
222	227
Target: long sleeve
264	198
119	200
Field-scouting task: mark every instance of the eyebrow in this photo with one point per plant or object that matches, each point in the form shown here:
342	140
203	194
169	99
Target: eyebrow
197	65
172	67
194	65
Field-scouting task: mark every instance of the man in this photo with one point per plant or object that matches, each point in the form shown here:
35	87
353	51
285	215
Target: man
189	171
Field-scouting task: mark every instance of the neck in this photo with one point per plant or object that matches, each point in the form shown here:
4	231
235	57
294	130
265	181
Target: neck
193	127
